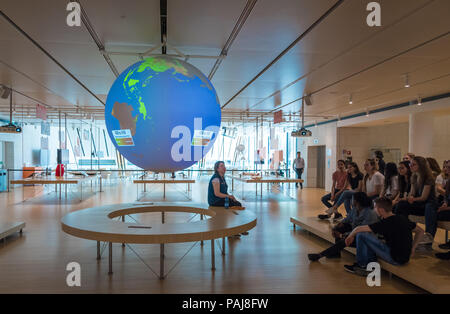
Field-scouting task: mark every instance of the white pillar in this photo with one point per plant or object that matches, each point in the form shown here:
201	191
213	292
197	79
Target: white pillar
421	133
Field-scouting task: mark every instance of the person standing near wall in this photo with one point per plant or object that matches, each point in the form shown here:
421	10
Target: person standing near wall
380	162
408	157
299	166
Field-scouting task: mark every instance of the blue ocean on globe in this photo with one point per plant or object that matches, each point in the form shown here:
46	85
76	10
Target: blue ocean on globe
162	114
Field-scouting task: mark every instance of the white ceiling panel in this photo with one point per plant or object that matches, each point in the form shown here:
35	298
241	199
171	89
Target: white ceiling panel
341	51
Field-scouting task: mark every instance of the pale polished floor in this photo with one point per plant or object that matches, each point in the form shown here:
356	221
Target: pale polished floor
271	259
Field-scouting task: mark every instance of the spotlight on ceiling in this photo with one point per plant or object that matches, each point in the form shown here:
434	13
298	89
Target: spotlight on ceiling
307	99
4	91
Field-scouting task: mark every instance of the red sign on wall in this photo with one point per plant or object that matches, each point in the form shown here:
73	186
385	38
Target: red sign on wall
278	116
41	112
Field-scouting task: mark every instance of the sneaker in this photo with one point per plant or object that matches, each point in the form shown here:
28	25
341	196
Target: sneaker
445	246
314	257
444	256
323	217
356	269
427	239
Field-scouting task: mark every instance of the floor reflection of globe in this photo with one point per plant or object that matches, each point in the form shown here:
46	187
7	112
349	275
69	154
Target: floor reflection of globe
162	114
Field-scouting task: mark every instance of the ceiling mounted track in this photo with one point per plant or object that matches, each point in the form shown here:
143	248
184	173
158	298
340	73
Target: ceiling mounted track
163	20
237	28
101	47
49	55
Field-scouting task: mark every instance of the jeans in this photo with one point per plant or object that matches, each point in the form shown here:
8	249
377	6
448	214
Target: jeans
299	172
346	198
326	199
427	209
369	247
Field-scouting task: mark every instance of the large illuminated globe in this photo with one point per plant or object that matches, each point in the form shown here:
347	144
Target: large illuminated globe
162	114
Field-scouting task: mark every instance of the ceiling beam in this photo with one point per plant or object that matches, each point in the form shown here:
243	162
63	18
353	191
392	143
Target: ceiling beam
299	38
370	67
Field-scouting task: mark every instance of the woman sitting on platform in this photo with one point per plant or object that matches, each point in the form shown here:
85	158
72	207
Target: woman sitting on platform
360	214
441	181
421	200
337	188
218	190
390	188
434	166
444	215
404	182
354	184
373	180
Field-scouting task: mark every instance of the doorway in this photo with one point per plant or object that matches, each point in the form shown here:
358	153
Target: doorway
7	154
316	166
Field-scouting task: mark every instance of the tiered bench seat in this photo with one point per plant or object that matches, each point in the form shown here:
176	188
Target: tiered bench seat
426	272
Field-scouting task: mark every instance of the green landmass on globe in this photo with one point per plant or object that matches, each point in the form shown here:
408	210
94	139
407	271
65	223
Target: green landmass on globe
133	84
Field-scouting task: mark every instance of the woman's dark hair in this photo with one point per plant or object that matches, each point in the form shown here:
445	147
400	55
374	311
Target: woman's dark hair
434	166
424	174
403	180
444	173
379	154
216	165
373	163
389	171
362	199
355	165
